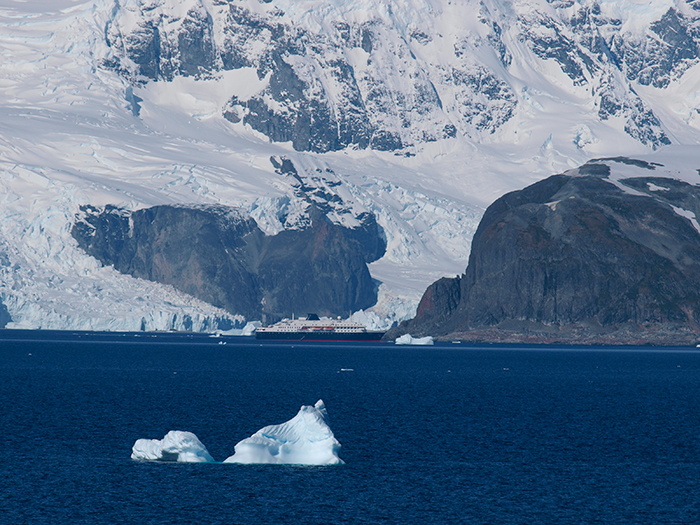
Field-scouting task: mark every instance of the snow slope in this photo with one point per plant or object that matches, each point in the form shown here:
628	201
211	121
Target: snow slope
73	132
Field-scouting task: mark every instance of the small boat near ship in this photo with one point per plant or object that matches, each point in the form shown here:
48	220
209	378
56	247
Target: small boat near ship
311	328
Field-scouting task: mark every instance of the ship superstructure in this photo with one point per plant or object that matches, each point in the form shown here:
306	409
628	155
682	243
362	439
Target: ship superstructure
312	328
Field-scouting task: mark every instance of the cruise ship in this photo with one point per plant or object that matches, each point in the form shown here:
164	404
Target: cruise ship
311	328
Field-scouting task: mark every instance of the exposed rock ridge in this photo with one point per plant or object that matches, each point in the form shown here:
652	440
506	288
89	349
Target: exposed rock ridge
579	257
373	83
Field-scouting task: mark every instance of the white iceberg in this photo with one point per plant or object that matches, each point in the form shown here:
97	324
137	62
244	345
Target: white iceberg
407	339
178	446
306	439
247	330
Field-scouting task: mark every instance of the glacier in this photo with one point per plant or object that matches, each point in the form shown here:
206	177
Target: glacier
306	439
177	445
73	132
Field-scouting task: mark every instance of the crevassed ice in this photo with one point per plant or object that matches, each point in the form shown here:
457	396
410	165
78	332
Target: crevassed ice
306	439
178	446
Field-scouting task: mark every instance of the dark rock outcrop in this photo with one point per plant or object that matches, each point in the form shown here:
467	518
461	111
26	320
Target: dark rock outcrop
580	258
4	316
218	254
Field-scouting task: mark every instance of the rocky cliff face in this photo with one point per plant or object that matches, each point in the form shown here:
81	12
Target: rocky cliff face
219	255
4	316
586	256
362	76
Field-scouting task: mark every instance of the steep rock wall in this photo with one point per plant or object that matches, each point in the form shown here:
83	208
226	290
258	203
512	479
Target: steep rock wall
578	257
219	255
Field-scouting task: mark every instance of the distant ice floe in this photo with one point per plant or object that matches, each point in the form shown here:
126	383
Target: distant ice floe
177	446
306	439
407	339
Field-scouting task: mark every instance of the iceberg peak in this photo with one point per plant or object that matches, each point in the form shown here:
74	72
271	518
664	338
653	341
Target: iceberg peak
306	439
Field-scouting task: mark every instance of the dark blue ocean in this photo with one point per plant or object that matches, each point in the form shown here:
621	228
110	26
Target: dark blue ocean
452	433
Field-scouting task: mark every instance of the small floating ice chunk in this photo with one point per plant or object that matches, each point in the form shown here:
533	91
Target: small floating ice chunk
179	446
306	439
406	339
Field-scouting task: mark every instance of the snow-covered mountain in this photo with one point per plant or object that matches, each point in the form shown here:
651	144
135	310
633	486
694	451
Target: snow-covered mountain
420	112
392	75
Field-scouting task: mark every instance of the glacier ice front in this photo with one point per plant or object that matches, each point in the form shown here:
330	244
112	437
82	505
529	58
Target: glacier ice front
178	446
306	439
